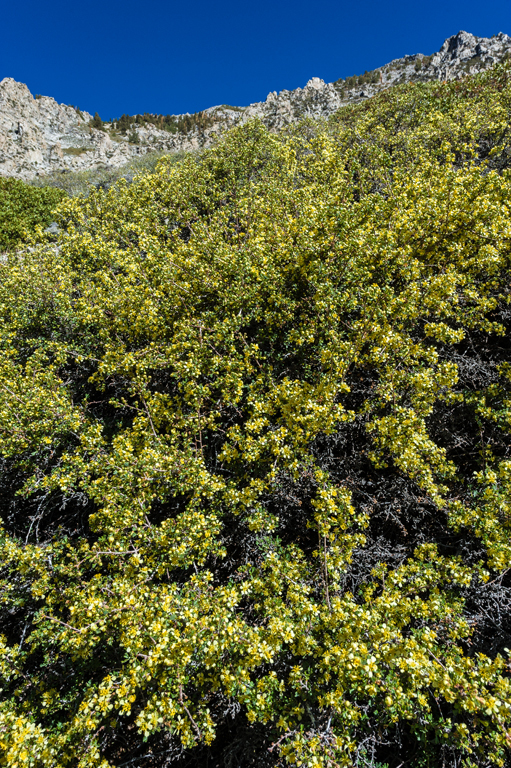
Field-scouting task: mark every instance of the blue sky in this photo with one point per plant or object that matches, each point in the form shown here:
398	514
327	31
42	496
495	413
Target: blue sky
171	57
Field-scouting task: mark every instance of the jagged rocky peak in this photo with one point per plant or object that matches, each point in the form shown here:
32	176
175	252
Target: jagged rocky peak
464	53
39	136
460	55
464	47
316	83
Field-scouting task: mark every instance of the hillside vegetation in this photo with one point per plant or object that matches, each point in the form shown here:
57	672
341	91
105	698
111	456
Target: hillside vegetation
22	207
80	182
26	205
255	416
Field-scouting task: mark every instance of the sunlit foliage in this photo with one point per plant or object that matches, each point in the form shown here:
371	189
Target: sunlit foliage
255	415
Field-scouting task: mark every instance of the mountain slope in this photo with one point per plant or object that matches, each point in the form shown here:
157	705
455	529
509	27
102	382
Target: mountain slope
38	136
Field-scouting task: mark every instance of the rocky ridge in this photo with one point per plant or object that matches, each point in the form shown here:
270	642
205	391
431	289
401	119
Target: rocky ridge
38	136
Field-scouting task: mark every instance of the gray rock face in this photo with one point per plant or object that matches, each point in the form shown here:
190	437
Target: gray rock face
38	136
465	53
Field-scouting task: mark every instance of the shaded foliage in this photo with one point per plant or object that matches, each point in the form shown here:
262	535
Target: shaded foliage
22	207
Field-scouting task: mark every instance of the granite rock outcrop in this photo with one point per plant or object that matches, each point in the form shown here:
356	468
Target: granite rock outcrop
38	136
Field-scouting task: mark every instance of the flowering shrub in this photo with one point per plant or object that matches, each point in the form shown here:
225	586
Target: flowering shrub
255	415
22	207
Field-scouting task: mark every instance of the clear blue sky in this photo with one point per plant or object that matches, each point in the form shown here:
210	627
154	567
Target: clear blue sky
171	57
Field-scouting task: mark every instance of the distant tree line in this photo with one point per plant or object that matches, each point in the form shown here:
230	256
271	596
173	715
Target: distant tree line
367	77
171	123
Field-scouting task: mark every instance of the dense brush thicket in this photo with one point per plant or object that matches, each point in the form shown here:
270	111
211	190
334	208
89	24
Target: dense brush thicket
23	207
255	430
